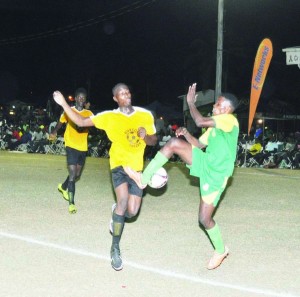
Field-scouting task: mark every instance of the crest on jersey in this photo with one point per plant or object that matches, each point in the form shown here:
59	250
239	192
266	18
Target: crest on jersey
133	138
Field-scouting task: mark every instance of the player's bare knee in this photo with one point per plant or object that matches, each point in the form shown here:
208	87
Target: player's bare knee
133	211
171	146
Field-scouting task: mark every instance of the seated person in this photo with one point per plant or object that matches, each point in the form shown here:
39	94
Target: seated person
286	153
253	150
39	140
25	138
256	147
296	160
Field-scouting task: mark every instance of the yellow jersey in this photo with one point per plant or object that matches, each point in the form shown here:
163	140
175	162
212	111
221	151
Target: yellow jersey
76	137
127	149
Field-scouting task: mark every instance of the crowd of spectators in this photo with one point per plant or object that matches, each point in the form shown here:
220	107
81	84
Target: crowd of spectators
33	137
271	151
268	151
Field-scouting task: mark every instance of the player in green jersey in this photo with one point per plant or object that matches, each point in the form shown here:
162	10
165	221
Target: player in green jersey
213	166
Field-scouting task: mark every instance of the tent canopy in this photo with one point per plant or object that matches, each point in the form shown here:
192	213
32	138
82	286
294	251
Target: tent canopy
168	112
203	98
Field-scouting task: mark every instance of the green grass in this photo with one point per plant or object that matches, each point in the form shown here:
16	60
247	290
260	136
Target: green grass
259	217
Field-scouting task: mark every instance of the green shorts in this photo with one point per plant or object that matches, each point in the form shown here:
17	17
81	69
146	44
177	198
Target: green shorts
212	182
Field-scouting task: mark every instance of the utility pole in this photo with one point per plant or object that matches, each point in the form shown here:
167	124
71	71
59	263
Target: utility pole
219	59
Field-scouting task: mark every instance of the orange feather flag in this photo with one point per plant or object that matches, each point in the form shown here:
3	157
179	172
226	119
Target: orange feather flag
261	66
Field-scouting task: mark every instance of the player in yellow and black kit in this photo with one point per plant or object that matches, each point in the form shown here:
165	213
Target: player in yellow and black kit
76	147
129	129
213	167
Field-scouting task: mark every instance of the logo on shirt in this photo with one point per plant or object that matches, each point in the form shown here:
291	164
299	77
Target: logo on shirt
133	138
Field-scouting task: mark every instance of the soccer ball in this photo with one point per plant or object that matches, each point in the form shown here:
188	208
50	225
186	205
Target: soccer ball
158	179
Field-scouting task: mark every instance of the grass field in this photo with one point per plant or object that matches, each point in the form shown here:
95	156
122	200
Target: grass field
47	252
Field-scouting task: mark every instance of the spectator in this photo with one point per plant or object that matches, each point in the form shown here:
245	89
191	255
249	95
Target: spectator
39	140
26	137
254	150
258	132
52	126
87	105
284	157
160	128
15	137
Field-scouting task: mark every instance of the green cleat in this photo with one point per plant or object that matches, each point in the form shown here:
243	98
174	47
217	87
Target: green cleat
72	209
64	192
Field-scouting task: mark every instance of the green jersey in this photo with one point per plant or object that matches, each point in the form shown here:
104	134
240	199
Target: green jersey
221	142
216	164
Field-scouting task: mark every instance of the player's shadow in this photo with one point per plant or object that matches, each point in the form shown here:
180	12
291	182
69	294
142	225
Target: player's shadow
156	192
192	180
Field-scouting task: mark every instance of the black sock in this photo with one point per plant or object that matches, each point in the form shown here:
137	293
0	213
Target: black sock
118	225
65	184
71	192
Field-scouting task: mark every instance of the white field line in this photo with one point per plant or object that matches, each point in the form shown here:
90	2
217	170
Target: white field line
157	271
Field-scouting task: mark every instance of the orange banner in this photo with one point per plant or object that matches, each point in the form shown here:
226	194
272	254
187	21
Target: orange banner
261	66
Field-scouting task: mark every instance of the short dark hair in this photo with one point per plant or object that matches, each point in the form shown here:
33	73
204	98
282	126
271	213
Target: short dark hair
118	86
234	102
80	90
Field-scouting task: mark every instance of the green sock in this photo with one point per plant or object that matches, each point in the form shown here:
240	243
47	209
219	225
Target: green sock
158	161
216	238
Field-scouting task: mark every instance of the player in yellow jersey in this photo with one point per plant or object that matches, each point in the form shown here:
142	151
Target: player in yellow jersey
76	145
129	129
213	167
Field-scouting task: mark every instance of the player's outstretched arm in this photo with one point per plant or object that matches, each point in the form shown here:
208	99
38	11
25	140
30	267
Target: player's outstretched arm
198	118
74	116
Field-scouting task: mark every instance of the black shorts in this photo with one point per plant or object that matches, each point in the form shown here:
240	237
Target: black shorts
119	176
75	157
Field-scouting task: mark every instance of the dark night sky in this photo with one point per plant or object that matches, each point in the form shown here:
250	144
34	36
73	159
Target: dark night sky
157	47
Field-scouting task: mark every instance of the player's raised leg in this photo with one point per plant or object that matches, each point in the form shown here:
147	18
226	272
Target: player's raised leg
174	146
